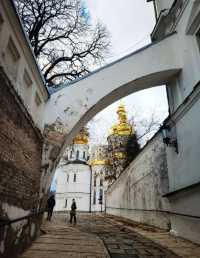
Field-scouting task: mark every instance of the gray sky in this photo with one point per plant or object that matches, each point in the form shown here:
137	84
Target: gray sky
130	23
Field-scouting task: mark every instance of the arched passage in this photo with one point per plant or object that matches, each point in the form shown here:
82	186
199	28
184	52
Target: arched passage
75	104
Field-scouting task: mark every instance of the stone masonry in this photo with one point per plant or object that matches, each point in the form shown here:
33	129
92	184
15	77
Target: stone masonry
20	165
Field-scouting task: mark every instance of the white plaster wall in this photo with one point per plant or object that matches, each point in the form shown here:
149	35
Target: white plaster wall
82	201
186	202
16	70
141	186
184	166
98	172
190	56
66	188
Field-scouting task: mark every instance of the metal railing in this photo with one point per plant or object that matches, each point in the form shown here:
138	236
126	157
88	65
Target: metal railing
7	222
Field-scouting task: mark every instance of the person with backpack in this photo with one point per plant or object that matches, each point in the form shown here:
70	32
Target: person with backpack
73	212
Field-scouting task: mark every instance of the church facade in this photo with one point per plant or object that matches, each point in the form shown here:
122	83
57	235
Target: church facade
73	176
108	161
101	175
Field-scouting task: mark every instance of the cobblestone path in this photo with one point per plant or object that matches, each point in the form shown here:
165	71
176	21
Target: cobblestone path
91	238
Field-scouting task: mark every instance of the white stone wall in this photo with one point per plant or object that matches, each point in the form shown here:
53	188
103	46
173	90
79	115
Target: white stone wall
17	59
73	181
98	188
140	187
184	102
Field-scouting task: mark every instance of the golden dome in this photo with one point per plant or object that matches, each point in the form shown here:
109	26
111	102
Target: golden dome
123	127
81	137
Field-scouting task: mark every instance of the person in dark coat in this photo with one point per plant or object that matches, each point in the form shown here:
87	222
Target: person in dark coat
73	211
50	206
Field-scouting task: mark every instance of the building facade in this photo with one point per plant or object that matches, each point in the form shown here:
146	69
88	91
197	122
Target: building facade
108	161
183	152
178	19
73	176
102	176
122	143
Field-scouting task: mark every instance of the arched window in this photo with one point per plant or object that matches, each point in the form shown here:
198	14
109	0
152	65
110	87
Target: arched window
101	196
77	154
94	197
84	155
74	177
101	182
95	181
65	203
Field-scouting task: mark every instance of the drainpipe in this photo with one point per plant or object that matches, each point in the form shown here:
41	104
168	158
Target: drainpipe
155	10
105	195
90	208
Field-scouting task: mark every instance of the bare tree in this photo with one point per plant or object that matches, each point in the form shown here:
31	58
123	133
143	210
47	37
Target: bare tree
64	43
145	128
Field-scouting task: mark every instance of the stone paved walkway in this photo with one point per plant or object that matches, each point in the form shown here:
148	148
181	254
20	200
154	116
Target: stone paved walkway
93	237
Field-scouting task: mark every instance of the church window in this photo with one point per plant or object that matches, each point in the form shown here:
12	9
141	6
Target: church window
101	182
94	197
101	196
67	177
74	177
77	154
65	203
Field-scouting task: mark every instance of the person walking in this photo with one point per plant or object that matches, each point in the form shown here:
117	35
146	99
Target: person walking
73	211
50	206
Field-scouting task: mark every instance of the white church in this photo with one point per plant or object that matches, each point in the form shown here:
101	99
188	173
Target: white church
73	176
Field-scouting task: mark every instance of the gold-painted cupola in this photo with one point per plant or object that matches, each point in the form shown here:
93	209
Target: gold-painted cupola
81	137
122	127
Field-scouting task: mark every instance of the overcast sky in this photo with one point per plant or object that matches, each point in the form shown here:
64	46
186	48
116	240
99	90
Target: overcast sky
130	23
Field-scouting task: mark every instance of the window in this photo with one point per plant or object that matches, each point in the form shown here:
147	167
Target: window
67	178
12	49
70	154
77	154
101	196
94	197
38	100
27	88
27	79
101	182
95	181
12	58
65	203
84	155
74	177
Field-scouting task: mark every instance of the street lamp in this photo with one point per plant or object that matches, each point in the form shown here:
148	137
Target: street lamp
169	136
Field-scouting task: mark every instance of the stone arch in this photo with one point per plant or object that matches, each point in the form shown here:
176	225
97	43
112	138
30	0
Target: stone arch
75	104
